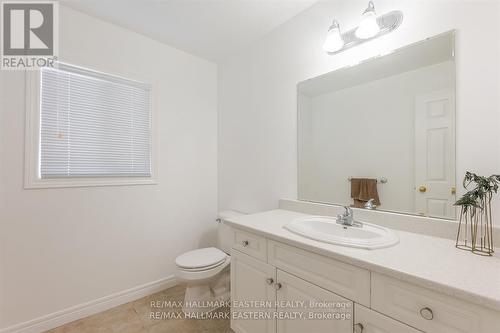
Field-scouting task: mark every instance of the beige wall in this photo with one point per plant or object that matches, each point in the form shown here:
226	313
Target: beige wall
63	247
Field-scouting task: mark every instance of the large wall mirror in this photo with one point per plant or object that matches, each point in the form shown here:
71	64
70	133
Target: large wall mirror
382	130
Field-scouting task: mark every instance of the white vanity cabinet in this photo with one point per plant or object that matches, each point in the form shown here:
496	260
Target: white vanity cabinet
369	321
252	280
309	316
429	311
264	269
347	280
285	303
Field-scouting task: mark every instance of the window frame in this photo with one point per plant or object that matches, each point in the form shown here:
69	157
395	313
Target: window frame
32	180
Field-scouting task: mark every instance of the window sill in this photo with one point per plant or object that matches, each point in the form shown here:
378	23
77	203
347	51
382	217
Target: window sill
87	182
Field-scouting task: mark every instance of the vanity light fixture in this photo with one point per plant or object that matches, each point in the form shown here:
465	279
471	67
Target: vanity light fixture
334	41
370	27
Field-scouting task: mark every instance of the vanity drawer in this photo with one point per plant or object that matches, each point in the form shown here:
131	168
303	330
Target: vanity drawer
343	279
428	310
369	321
251	244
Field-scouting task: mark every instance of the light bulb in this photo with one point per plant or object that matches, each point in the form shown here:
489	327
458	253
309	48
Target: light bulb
368	27
334	41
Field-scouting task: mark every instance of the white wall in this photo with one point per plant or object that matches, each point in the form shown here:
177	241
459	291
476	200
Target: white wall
366	131
257	91
63	247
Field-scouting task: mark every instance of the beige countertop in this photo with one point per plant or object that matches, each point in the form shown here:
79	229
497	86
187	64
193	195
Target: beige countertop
426	261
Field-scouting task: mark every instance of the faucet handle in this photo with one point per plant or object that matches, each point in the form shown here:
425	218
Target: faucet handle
348	211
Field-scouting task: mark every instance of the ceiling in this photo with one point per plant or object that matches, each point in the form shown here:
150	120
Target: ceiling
211	29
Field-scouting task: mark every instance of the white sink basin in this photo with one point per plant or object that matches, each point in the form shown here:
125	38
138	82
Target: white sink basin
325	229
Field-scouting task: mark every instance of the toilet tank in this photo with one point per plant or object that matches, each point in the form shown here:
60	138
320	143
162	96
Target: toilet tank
224	232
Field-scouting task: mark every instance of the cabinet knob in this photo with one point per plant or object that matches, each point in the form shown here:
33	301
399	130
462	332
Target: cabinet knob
270	281
426	313
358	328
245	243
277	286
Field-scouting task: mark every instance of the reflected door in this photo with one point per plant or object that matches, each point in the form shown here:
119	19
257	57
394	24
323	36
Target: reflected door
435	154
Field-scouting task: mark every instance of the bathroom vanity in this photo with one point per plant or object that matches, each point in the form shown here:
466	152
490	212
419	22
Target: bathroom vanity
421	284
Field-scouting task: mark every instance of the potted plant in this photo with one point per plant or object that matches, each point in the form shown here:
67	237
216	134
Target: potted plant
475	229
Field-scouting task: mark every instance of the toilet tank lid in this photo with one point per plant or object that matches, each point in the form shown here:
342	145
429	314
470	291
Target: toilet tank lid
225	214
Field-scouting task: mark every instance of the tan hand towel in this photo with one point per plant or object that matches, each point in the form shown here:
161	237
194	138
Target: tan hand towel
362	190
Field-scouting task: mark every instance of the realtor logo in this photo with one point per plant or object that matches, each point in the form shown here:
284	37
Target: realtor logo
29	34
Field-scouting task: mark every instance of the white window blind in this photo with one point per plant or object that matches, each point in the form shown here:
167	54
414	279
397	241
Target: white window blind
93	125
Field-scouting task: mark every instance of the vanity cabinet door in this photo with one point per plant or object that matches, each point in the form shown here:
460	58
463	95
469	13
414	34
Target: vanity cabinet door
303	307
252	293
369	321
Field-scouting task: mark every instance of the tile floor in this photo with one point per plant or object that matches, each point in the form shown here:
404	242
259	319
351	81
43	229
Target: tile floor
135	317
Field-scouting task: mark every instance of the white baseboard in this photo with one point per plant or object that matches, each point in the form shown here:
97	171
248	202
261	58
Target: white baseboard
68	315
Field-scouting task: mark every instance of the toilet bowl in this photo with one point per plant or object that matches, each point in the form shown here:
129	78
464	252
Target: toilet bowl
206	271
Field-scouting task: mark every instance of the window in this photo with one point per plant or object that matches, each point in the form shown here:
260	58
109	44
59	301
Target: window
93	128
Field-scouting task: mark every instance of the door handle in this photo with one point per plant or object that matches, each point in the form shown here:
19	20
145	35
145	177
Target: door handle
427	313
358	328
422	189
453	190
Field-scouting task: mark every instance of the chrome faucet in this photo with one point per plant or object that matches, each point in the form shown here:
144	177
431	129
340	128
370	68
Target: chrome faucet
370	204
347	218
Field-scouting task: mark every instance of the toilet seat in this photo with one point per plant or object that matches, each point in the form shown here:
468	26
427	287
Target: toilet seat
201	269
201	259
203	273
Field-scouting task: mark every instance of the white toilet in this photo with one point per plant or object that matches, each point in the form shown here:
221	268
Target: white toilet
206	271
